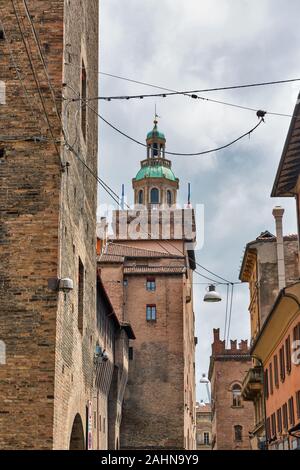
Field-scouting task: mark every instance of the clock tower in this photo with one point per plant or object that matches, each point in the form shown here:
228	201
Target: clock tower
155	185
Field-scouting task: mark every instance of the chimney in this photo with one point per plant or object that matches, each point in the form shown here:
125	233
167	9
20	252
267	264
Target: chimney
278	215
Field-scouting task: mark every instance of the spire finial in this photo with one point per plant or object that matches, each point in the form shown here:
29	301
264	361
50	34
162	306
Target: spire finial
156	116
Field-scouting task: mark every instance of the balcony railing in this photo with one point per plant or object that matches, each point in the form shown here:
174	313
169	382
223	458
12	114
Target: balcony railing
252	384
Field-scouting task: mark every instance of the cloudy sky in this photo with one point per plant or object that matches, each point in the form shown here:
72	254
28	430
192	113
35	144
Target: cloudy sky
192	45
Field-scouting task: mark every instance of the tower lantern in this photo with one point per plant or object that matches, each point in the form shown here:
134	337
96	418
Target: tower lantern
155	184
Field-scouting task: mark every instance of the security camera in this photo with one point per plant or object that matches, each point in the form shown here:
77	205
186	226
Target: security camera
66	285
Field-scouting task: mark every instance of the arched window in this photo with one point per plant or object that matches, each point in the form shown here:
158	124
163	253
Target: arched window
141	197
236	395
155	149
162	154
169	198
238	433
154	196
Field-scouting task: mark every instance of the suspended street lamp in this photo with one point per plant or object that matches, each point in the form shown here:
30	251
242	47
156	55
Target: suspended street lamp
212	295
204	380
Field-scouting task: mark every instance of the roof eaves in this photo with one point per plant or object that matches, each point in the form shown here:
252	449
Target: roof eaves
275	190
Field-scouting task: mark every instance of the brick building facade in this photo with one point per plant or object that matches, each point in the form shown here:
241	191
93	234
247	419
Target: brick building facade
277	344
149	280
203	426
232	418
260	268
111	372
48	222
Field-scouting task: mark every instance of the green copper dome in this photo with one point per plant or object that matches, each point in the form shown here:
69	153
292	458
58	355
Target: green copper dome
155	134
158	171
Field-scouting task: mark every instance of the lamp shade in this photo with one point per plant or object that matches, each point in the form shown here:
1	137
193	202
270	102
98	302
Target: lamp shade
204	379
212	295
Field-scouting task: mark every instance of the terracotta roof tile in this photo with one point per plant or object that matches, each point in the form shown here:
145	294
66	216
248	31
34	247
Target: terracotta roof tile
107	258
117	249
154	269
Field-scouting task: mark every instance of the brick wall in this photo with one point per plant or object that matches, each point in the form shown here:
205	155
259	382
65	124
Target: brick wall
47	221
227	368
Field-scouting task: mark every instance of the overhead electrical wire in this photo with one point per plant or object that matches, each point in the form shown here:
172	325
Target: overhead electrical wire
36	79
191	93
230	313
106	187
204	152
36	37
26	92
226	311
226	281
112	194
211	100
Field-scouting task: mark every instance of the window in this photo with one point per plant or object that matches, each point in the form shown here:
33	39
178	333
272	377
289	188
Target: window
291	411
80	294
236	395
141	197
282	364
154	196
151	312
271	378
298	403
279	421
268	429
273	424
206	440
285	416
151	284
288	355
266	384
130	353
2	37
2	353
238	433
155	149
169	198
276	377
83	102
296	333
2	151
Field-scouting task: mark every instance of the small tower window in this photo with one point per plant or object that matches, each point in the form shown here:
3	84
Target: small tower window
236	396
154	196
141	197
83	102
169	198
80	294
155	149
238	433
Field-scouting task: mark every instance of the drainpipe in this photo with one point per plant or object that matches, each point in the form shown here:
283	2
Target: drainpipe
278	215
